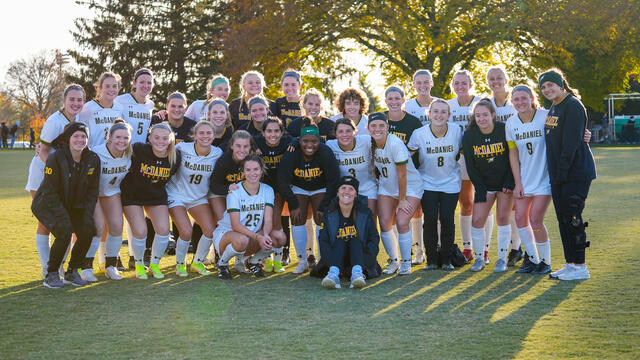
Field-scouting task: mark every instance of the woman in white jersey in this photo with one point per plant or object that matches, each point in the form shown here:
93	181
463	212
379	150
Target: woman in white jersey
217	88
100	113
136	106
438	145
187	195
353	104
353	153
72	102
419	106
246	228
399	192
115	160
460	106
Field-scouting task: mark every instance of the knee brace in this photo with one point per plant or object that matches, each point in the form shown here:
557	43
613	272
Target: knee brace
575	224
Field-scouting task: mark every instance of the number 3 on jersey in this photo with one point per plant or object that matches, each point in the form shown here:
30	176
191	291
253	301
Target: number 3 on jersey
352	172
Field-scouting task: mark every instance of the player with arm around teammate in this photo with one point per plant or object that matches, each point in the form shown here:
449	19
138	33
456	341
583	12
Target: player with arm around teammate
100	113
246	228
217	88
251	84
136	106
288	108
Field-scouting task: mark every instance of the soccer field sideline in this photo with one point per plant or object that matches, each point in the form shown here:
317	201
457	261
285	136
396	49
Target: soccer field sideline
459	315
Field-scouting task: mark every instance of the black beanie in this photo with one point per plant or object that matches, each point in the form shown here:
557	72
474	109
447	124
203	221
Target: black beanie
349	180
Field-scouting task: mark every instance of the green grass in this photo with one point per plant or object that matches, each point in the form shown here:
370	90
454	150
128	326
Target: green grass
425	315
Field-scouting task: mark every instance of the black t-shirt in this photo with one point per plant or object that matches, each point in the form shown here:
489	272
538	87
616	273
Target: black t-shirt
287	111
223	141
326	128
272	156
347	228
404	128
182	133
145	182
225	173
251	129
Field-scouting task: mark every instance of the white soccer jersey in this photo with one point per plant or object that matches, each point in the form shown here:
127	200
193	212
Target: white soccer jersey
137	115
99	120
503	113
438	165
53	127
392	154
250	207
361	126
532	151
414	108
112	170
461	114
198	111
191	182
356	162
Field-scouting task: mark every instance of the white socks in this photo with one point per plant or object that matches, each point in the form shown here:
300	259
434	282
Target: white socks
526	237
203	249
261	254
404	243
416	235
137	245
465	231
181	251
42	245
309	246
299	236
158	248
93	248
229	252
504	238
515	239
488	231
112	245
477	237
277	254
389	243
102	250
545	252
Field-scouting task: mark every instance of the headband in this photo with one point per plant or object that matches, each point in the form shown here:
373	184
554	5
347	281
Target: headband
218	102
522	88
378	116
257	100
142	72
392	89
309	130
162	125
218	81
293	74
119	126
552	76
422	72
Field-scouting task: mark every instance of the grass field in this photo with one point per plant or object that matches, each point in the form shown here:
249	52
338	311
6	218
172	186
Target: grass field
426	315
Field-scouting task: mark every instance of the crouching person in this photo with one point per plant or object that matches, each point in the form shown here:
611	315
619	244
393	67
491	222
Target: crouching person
348	239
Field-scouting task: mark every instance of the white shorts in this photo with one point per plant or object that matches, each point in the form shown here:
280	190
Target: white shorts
218	233
464	175
491	192
414	189
211	195
299	191
540	190
36	174
173	201
371	192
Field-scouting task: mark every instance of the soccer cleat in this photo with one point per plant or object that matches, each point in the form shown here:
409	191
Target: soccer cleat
73	278
277	267
567	267
268	266
392	267
576	273
302	267
256	270
331	281
448	267
141	272
199	268
542	269
486	258
501	266
52	281
468	254
405	268
419	259
430	267
112	273
526	262
515	255
478	265
311	260
530	267
239	266
155	271
357	280
132	263
181	270
223	272
119	265
87	275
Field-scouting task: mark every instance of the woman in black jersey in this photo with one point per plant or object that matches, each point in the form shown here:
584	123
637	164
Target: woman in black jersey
258	107
181	125
307	175
221	120
486	156
143	191
287	108
271	147
571	169
251	84
312	104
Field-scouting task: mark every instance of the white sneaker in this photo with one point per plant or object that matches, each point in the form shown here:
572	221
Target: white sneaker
391	268
87	275
405	268
239	266
576	273
419	259
112	273
567	267
302	267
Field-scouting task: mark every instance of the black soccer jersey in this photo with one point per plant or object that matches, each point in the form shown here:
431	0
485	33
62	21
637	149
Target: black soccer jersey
251	129
223	141
272	157
226	172
326	127
404	128
145	182
240	114
287	111
182	133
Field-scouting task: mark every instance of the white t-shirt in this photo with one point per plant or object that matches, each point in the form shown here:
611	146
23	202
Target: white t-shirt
503	113
438	165
461	114
414	108
529	139
99	120
112	170
360	126
198	111
191	182
395	153
137	115
53	127
250	207
356	162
